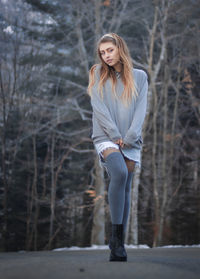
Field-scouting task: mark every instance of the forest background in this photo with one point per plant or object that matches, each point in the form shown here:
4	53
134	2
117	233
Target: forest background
52	191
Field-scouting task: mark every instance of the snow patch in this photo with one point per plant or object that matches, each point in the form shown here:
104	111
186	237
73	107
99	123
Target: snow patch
180	246
105	247
99	247
8	29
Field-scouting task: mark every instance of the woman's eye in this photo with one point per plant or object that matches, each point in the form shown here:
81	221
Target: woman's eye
111	50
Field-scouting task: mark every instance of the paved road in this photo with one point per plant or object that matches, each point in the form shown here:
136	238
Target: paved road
157	263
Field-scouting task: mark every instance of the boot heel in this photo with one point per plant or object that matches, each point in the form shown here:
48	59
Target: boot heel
114	258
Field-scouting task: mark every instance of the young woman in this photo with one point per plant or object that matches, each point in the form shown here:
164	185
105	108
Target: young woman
118	98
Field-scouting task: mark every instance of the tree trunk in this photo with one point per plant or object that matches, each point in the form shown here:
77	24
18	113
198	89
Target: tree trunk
98	228
154	165
53	193
3	164
81	48
29	207
97	23
164	159
153	103
35	225
132	237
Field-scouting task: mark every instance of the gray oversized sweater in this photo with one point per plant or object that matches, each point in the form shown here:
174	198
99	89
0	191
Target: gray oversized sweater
113	120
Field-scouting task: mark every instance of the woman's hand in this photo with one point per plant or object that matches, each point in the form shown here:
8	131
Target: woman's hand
120	142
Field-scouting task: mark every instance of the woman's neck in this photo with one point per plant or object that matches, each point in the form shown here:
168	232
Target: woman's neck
118	67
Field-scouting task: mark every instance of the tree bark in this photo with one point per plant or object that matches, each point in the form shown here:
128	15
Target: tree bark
98	228
28	205
132	238
3	163
35	225
154	104
164	159
53	193
82	50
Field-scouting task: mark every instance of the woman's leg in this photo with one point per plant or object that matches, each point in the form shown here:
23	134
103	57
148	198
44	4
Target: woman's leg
118	172
108	151
127	200
130	166
124	196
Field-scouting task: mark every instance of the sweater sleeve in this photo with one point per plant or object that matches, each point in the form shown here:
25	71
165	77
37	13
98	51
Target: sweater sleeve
102	114
133	136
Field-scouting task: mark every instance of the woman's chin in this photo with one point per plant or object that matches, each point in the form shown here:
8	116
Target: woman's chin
111	64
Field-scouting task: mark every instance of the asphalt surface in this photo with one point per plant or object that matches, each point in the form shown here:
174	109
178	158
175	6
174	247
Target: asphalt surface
157	263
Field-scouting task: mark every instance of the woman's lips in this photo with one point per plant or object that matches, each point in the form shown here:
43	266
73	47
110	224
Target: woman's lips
109	61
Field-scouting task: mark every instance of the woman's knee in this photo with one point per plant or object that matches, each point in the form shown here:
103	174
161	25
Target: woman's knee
116	164
121	172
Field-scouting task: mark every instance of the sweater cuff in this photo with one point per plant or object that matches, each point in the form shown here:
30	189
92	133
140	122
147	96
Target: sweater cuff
133	142
115	137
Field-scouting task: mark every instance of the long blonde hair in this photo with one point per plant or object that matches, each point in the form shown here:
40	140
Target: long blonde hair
107	72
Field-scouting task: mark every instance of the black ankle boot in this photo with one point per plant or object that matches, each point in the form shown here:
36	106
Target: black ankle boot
116	244
123	240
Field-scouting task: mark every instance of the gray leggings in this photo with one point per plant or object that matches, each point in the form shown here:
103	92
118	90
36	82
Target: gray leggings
119	188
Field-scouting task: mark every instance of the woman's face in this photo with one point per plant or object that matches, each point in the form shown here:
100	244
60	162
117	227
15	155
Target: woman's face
109	53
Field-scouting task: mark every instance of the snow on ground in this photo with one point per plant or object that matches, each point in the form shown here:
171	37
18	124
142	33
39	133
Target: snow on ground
180	246
105	247
98	247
